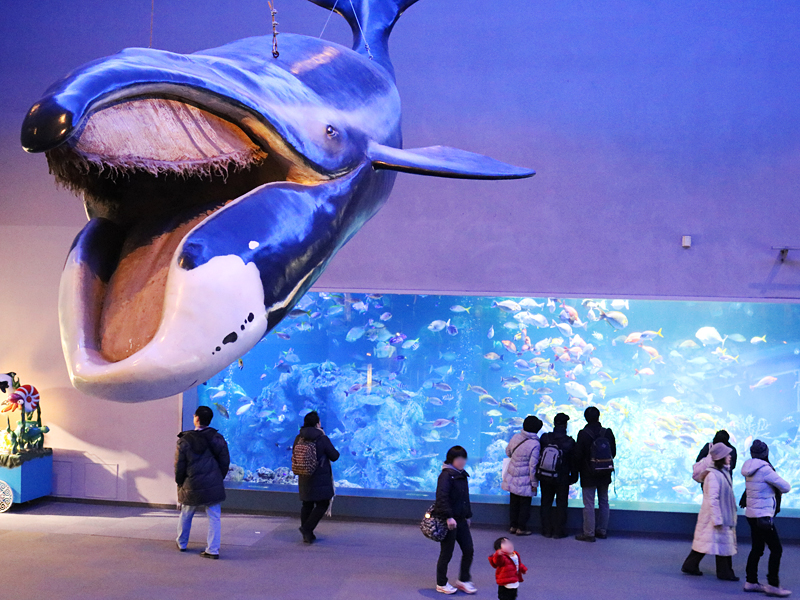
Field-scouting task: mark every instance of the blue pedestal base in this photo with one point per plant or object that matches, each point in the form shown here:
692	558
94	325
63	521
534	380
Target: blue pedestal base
30	480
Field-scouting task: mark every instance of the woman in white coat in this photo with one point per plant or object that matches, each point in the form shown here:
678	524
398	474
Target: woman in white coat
761	506
715	532
520	477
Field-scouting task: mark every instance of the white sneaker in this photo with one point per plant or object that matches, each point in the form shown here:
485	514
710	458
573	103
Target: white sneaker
466	586
446	589
753	587
771	590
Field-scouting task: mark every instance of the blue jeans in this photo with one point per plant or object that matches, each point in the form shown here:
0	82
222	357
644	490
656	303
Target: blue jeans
185	526
588	494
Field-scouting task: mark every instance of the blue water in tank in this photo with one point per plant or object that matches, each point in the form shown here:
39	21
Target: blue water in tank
398	379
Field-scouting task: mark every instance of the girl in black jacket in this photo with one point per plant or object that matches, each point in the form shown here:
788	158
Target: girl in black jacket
452	503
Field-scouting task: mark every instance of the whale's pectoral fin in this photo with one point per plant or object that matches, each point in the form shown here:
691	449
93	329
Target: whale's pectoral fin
441	161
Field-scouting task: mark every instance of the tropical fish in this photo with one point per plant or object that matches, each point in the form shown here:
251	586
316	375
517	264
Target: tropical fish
633	338
688	344
222	410
441	385
384	350
616	319
336	309
354	334
508	405
477	389
460	309
528	318
488	399
240	362
438	325
438	423
764	382
604	375
414	344
670	400
396	339
651	335
244	408
654	355
759	340
737	337
386	316
709	336
507	306
451	329
490	335
564	328
541	345
522	364
493	413
448	356
645	371
509	346
282	335
360	307
619	304
492	356
597	336
576	389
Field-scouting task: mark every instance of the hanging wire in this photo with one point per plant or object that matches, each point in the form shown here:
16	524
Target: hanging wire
152	13
328	20
274	12
363	37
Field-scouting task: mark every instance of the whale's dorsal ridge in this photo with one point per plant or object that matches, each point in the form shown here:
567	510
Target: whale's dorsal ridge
371	22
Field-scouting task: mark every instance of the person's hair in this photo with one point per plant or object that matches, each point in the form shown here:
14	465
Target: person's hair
499	542
454	453
591	414
204	414
720	464
311	419
722	436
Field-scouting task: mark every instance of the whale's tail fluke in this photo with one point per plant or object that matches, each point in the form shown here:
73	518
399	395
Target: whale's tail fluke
372	22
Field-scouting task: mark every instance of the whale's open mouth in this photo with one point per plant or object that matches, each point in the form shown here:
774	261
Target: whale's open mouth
156	168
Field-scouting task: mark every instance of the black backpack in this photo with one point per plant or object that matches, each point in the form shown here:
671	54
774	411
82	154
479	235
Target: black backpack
550	461
601	460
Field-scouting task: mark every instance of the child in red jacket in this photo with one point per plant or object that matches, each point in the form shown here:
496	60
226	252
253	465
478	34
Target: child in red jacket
508	568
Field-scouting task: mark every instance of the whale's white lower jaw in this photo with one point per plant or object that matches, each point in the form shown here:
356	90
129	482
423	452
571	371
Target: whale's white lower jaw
212	314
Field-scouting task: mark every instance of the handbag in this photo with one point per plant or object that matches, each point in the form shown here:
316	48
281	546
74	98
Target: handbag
433	527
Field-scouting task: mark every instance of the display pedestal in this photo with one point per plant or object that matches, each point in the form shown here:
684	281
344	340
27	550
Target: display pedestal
29	474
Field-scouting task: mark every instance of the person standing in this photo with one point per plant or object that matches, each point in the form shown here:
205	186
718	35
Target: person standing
316	488
763	488
520	477
721	437
452	504
201	463
508	569
594	455
715	532
556	473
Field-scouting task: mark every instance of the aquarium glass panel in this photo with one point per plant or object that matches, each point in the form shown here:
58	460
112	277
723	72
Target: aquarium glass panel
398	379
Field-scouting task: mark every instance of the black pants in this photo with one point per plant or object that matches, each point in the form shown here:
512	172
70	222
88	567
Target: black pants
554	524
724	564
462	535
504	593
311	514
520	511
772	541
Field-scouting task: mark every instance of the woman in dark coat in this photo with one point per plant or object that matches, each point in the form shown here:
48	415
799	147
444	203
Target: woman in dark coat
452	503
316	490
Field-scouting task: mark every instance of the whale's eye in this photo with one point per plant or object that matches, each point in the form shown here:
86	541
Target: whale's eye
331	131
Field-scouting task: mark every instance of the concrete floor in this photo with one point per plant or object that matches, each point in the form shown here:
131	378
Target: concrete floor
61	551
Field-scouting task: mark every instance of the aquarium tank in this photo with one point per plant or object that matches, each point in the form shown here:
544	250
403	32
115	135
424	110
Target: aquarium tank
398	379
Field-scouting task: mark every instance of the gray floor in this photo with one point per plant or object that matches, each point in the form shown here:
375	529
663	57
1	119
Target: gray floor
60	551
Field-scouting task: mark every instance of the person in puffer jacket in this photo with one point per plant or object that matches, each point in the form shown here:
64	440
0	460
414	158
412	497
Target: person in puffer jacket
520	478
508	569
715	532
761	507
201	463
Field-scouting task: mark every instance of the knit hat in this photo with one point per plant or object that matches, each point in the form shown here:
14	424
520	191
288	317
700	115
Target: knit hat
759	450
532	424
719	451
722	436
561	419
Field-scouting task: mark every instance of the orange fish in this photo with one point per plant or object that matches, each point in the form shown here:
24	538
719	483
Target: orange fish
645	371
633	338
509	345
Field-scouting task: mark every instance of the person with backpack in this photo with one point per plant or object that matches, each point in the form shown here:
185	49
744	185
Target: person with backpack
556	473
312	455
721	437
519	478
762	504
594	455
201	462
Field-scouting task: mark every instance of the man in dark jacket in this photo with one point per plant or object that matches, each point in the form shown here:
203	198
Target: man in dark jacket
201	463
316	490
557	487
593	482
721	437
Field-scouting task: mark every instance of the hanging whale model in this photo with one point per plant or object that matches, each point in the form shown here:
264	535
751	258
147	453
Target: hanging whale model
218	187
